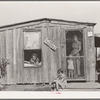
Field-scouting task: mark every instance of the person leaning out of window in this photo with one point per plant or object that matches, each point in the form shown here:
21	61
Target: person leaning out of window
35	60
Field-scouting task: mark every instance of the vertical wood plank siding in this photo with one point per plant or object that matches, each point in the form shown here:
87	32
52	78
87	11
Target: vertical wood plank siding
15	73
91	56
44	54
11	67
9	55
12	47
86	54
63	51
49	54
3	52
21	60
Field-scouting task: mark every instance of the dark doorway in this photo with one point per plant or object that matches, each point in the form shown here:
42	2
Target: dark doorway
75	54
97	45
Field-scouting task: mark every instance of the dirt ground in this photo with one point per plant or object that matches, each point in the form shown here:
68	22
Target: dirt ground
26	88
71	87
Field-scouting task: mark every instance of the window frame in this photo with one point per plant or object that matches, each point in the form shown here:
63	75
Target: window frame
32	30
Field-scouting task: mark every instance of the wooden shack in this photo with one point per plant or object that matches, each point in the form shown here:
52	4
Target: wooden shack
52	40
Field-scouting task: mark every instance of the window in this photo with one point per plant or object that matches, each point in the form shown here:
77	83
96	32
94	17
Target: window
32	48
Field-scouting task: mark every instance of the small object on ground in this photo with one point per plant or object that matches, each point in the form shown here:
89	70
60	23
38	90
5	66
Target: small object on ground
1	86
53	86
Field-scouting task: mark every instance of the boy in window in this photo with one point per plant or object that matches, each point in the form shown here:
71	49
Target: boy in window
34	60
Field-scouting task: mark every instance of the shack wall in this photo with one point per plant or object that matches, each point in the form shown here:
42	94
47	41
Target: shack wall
12	48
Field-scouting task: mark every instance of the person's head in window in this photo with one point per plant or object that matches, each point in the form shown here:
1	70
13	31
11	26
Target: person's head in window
34	56
34	59
75	38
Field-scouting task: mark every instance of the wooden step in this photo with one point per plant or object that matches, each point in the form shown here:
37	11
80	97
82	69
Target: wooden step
88	85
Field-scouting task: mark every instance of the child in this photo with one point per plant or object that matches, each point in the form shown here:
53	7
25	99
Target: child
60	81
70	67
34	59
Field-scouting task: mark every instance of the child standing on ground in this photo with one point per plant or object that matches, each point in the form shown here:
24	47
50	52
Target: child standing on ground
61	80
70	67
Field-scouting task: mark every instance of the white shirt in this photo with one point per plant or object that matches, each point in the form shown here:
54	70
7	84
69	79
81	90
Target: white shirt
70	64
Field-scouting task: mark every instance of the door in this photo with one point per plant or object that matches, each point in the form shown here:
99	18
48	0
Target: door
97	45
75	55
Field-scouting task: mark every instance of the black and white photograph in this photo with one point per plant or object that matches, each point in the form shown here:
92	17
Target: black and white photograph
49	46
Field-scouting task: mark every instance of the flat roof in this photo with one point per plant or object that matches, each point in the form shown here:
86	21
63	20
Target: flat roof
48	19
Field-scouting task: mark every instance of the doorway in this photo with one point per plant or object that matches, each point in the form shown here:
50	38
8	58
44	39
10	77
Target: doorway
75	54
97	46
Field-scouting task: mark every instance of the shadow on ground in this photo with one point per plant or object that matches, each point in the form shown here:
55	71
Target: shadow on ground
25	88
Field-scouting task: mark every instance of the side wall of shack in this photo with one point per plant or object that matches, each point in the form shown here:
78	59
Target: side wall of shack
11	47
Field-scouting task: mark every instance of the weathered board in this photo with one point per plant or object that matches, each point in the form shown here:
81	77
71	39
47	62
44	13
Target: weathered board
12	47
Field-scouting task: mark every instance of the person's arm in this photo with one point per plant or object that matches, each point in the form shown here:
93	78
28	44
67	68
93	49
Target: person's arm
79	49
37	61
63	78
31	61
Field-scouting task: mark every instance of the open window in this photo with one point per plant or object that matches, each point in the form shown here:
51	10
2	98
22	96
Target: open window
32	48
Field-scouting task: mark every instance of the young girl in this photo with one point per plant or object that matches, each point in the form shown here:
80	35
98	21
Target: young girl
70	67
60	81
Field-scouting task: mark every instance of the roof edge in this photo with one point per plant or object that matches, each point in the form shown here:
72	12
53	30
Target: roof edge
88	23
47	19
